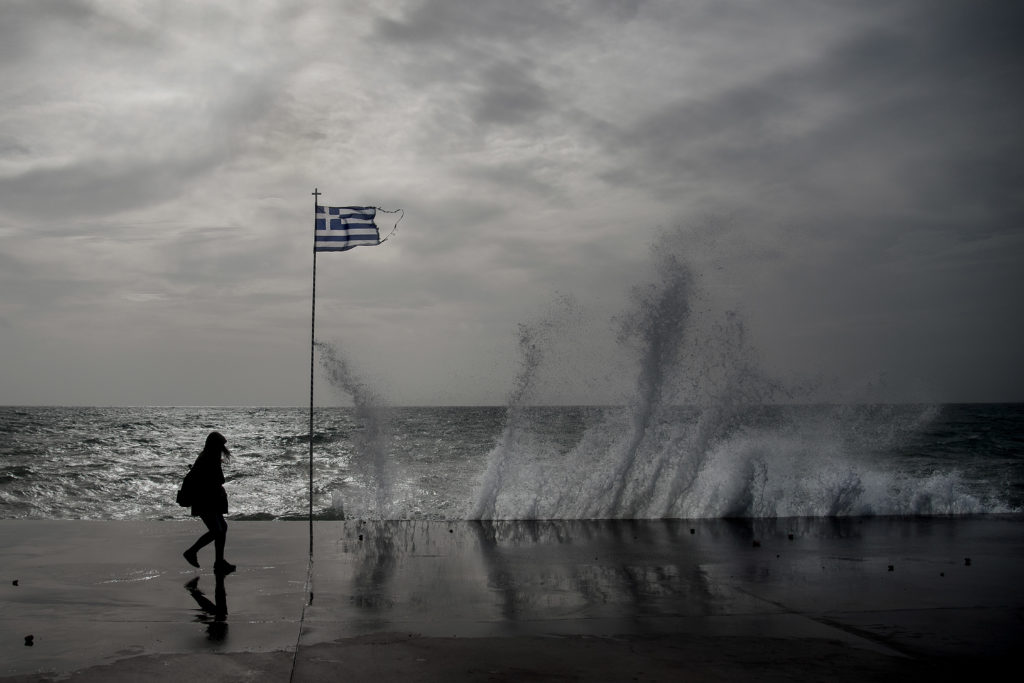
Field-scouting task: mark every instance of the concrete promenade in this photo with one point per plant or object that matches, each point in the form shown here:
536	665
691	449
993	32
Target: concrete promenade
788	599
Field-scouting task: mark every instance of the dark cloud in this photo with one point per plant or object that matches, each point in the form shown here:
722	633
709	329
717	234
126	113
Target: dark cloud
24	24
866	158
510	96
90	188
471	22
519	176
912	107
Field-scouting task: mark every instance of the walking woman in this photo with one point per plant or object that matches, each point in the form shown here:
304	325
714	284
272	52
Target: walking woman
210	502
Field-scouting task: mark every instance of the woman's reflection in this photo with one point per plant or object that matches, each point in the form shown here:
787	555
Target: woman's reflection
213	614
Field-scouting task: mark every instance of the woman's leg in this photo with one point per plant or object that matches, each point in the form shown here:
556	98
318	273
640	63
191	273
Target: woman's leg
220	534
201	542
215	531
217	528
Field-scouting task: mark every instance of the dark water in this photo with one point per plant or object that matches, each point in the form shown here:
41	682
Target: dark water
521	463
734	453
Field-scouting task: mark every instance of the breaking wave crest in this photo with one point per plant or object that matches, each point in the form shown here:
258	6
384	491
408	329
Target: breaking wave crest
699	437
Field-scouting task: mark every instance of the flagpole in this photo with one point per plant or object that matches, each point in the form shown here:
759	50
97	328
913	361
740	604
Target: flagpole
312	361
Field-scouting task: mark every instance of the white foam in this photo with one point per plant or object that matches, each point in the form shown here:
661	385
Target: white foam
719	458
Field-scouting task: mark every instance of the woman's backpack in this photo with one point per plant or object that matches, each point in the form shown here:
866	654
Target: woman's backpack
186	493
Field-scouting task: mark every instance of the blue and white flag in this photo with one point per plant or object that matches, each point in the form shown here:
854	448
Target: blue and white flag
339	228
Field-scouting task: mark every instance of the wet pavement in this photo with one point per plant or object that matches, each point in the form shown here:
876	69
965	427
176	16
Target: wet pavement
926	586
91	592
94	593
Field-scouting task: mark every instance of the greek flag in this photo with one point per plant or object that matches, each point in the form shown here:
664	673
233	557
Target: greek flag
339	228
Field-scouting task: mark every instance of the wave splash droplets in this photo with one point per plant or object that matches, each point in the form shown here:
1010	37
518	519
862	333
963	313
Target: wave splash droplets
507	459
699	437
370	460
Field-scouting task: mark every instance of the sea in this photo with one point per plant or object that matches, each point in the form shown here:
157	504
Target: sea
700	430
520	462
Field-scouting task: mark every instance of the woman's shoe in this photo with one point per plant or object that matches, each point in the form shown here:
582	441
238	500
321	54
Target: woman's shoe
190	557
222	567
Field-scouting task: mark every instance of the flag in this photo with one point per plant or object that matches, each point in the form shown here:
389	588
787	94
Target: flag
339	228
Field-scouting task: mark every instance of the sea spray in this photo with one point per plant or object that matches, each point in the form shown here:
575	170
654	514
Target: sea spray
629	465
534	340
658	323
370	459
700	437
696	381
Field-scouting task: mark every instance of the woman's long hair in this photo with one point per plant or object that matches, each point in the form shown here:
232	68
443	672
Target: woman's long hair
215	446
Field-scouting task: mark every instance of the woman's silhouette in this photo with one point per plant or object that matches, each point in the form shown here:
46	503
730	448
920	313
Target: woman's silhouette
210	502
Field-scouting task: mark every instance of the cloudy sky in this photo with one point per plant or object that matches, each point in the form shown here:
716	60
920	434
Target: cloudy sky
847	178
